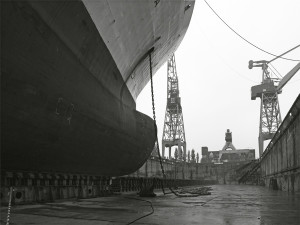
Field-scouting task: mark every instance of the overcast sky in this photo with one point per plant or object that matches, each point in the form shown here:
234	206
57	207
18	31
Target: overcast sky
212	68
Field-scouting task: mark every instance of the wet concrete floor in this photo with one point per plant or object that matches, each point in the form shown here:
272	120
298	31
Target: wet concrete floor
228	204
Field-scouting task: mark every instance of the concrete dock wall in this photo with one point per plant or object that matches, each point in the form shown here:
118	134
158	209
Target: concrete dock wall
29	187
280	163
225	173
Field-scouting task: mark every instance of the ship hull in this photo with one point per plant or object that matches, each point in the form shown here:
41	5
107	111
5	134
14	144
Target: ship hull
59	110
70	74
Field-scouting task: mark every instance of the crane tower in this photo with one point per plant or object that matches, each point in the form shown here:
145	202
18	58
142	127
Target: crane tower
267	91
173	133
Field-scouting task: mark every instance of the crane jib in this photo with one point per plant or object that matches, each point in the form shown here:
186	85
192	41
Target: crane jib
288	76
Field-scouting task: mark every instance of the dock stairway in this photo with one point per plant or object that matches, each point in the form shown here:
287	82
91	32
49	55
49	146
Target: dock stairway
250	173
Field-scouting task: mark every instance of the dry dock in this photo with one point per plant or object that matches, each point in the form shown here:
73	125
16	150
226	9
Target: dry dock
228	204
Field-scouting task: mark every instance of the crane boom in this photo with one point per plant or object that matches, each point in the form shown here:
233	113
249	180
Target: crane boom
270	118
288	76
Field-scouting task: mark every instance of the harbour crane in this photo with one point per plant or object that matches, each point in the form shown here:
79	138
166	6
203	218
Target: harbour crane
267	91
173	133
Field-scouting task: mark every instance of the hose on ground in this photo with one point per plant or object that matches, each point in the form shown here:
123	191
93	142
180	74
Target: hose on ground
148	214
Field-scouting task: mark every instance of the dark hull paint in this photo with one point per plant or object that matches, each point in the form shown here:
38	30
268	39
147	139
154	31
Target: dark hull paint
64	107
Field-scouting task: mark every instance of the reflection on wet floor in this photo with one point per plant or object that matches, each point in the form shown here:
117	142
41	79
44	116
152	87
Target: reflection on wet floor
228	204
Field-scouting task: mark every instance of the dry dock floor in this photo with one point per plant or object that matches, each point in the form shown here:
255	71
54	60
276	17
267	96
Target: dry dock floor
228	204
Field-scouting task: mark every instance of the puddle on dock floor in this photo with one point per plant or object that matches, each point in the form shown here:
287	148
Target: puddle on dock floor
228	204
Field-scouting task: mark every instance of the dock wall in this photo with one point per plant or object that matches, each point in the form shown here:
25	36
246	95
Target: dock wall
280	163
225	173
39	187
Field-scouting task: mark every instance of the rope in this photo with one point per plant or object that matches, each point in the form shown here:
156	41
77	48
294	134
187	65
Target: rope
154	121
9	205
157	144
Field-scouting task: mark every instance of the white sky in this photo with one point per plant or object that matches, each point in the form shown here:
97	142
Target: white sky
212	68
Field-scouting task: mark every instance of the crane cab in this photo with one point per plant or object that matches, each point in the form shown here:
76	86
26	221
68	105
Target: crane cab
257	90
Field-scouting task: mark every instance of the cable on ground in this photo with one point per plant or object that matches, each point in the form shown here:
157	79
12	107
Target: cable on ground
143	200
187	193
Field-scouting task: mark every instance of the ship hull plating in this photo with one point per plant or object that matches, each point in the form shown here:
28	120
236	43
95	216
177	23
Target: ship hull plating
64	105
